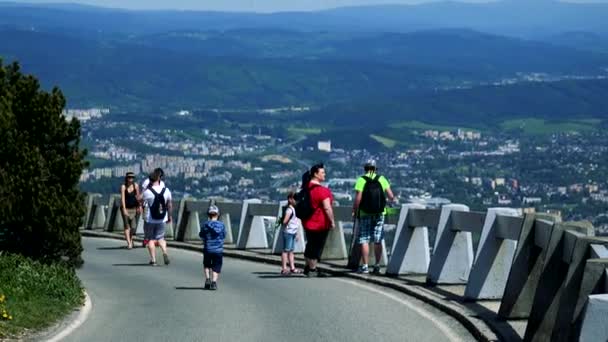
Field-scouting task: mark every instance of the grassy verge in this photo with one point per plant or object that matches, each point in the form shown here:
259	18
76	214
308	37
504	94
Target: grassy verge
35	295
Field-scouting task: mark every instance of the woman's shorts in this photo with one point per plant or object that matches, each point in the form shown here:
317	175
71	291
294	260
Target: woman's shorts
289	241
154	231
131	219
213	261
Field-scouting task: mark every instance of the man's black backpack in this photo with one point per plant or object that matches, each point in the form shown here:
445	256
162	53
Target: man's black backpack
158	209
373	199
304	209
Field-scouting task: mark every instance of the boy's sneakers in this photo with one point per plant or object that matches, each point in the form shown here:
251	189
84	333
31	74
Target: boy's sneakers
364	269
207	284
213	286
166	259
376	269
152	263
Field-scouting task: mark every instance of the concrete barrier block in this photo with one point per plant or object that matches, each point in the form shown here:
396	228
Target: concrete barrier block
335	246
245	224
452	257
257	234
594	327
193	227
99	217
119	222
493	260
90	209
527	267
558	288
228	224
140	226
410	252
169	230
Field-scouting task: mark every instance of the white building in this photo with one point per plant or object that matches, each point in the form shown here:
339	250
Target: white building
324	146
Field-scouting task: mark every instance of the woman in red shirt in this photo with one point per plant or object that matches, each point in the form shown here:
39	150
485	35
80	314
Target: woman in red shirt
317	226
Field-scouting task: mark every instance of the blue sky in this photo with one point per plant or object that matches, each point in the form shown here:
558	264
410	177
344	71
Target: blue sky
245	5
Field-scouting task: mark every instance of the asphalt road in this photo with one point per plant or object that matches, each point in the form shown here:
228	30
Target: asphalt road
136	302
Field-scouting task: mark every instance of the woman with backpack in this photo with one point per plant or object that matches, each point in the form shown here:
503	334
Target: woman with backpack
129	207
317	215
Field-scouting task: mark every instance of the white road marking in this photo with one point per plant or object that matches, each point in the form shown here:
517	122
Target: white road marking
440	325
82	316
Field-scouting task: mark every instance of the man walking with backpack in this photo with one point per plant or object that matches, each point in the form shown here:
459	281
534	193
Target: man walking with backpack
369	208
158	200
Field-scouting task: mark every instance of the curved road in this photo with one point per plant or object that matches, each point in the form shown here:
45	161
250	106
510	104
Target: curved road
135	302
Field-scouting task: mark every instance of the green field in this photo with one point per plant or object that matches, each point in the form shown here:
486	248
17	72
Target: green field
389	143
531	126
418	125
303	130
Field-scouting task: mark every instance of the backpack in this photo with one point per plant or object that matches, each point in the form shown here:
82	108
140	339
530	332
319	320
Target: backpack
373	199
304	209
158	209
281	217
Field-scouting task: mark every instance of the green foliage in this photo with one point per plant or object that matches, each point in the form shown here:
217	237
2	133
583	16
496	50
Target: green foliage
531	126
40	165
36	294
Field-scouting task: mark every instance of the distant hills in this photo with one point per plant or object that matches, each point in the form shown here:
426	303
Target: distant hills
524	18
443	62
268	68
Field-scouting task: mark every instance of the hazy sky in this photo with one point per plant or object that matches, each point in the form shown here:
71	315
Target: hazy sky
246	5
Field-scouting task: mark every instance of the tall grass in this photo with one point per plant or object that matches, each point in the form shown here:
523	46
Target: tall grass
36	295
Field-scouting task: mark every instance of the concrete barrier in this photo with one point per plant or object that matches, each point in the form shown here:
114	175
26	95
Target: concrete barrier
252	230
193	227
410	251
452	257
559	283
227	219
494	255
594	327
99	218
527	266
335	246
114	221
91	200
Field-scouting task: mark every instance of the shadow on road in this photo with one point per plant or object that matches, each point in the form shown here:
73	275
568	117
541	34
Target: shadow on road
112	248
189	288
146	264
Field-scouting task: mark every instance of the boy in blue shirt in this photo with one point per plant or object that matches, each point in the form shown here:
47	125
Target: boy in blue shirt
213	233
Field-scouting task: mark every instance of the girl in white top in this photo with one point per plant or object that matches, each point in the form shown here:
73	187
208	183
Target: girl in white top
291	224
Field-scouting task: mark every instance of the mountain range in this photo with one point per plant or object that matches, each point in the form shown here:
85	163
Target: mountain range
524	18
441	62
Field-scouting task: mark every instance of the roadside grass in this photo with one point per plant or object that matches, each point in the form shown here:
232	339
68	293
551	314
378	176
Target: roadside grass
304	130
35	295
532	126
388	143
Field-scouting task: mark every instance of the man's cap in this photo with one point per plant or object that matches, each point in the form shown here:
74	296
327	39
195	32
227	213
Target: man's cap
213	210
370	163
130	174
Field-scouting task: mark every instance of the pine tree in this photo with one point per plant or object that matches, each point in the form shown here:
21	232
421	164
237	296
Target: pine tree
41	207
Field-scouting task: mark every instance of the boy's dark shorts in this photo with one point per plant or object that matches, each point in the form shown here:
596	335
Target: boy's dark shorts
213	261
